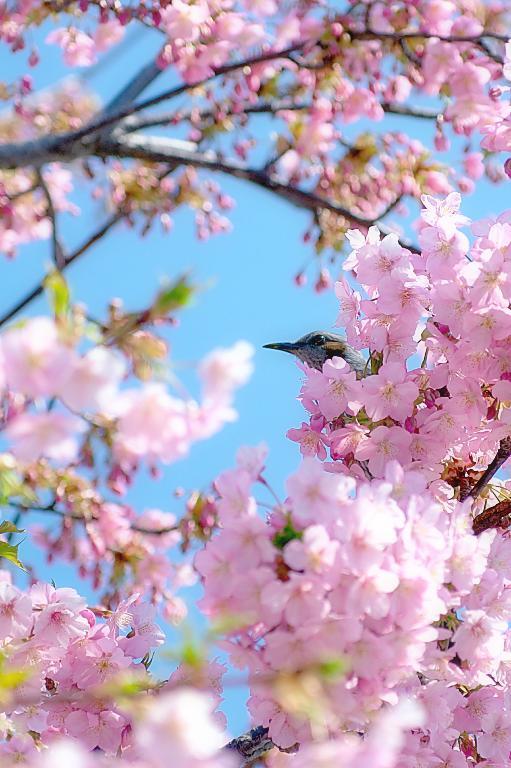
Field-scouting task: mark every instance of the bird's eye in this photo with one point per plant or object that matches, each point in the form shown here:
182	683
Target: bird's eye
319	339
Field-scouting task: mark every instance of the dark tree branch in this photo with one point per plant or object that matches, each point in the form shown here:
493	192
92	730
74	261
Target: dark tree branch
51	509
161	149
48	149
175	152
133	89
502	455
366	34
59	258
166	119
498	516
408	111
83	248
38	289
112	117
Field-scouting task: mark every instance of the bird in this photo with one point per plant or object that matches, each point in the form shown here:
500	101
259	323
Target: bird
318	346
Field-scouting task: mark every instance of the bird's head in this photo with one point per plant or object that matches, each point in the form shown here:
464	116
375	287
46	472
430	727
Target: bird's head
318	346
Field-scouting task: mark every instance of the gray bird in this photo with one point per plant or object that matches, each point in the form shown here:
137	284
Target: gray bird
316	347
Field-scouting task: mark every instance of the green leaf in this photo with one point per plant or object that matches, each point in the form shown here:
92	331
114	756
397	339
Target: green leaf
174	296
333	668
193	655
8	527
9	484
58	293
10	552
12	679
285	535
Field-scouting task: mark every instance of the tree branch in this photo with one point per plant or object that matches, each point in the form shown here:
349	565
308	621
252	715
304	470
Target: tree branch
403	37
161	149
38	289
70	146
88	243
112	117
498	516
166	119
502	455
134	88
58	252
173	152
408	111
51	509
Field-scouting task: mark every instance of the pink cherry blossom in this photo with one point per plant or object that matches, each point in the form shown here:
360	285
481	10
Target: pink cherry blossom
182	19
37	363
383	445
224	370
79	48
94	381
181	725
389	393
51	435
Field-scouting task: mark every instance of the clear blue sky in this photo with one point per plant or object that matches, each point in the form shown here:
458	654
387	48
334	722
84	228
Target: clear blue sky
252	296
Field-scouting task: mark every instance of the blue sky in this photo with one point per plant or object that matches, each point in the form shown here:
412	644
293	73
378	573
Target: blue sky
251	295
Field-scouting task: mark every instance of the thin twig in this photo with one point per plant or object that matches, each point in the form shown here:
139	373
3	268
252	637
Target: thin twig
88	243
21	193
38	289
166	119
104	120
51	509
161	149
59	258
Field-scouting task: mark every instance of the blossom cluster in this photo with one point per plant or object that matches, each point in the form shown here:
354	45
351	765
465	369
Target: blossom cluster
61	400
150	424
316	72
446	311
372	559
379	576
369	610
63	656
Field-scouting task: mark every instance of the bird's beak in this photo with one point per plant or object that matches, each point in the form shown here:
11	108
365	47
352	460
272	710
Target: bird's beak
283	346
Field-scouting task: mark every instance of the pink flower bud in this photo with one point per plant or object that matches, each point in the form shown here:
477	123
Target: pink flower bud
441	141
26	84
429	398
507	167
409	424
466	185
324	281
474	165
491	413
